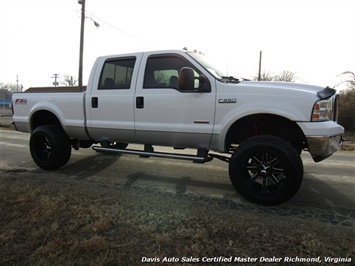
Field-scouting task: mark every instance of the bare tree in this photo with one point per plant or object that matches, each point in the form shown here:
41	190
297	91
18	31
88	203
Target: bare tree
7	89
349	79
347	109
68	80
286	76
265	76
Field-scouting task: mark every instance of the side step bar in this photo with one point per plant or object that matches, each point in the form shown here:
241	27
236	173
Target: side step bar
195	158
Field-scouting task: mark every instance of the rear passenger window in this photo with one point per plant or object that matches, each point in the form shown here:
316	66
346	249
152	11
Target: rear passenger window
117	74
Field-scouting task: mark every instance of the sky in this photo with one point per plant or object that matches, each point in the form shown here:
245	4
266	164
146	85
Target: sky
315	39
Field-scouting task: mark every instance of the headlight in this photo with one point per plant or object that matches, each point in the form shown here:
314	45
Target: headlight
323	110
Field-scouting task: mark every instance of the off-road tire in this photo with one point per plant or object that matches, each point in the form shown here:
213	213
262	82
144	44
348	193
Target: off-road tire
266	170
50	147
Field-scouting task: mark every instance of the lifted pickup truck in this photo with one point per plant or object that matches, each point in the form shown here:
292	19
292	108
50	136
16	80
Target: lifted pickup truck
179	99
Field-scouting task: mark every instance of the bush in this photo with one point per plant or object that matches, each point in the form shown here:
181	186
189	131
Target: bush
347	109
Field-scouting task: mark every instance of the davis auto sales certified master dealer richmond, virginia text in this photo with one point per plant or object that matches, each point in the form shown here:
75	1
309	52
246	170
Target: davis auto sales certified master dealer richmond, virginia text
231	259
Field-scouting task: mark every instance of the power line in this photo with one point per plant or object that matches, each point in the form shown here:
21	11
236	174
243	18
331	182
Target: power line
120	30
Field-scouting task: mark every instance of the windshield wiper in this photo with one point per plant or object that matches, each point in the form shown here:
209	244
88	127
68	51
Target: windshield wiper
231	79
234	79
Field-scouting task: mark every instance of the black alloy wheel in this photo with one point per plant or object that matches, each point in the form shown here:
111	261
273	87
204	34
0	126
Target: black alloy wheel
50	147
266	170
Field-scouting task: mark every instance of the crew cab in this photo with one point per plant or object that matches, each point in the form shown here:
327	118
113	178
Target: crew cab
181	100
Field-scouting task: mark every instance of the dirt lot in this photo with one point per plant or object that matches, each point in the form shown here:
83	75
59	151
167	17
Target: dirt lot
52	219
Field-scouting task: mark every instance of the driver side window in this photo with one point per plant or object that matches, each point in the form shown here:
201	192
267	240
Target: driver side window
163	72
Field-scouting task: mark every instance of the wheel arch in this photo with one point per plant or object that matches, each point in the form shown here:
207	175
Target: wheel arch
44	117
265	124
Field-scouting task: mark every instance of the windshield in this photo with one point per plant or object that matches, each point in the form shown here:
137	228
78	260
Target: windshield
209	65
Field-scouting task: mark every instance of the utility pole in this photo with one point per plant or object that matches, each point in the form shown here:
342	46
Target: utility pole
81	52
55	83
17	82
259	76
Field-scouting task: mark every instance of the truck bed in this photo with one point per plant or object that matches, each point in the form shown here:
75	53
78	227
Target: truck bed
67	106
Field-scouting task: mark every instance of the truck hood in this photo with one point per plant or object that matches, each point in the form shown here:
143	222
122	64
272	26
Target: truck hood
282	86
290	100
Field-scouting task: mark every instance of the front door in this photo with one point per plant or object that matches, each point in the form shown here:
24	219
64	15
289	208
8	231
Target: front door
166	115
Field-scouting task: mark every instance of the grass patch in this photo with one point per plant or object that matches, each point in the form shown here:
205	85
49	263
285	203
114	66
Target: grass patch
81	225
349	143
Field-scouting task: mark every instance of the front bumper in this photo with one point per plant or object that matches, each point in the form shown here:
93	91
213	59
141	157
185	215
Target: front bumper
321	147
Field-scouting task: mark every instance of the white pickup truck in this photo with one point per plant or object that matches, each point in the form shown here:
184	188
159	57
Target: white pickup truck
180	100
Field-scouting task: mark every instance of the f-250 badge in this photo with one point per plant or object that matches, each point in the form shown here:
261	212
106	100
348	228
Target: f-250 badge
231	100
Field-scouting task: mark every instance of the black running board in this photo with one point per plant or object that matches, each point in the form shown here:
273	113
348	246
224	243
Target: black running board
194	158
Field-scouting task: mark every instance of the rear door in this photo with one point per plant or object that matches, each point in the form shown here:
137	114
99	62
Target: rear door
166	115
110	105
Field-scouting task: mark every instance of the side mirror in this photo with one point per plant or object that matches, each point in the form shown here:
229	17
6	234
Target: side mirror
186	79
